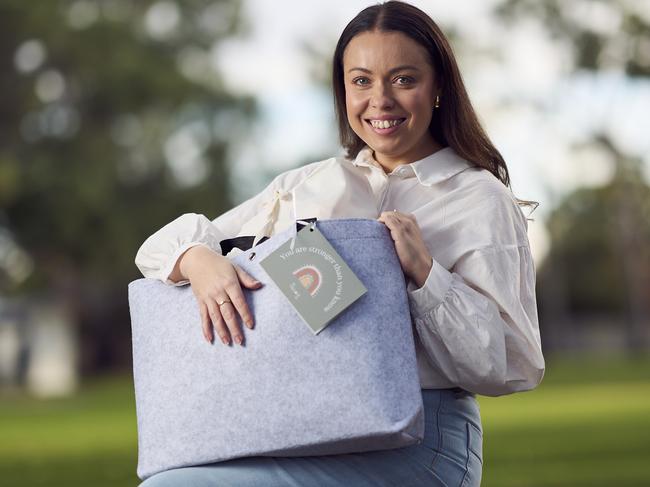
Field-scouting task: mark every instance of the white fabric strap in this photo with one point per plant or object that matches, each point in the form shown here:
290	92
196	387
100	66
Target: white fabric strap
295	233
272	215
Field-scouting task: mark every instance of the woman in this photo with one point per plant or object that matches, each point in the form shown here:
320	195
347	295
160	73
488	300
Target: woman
418	161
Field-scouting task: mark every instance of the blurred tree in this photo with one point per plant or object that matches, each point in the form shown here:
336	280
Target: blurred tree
600	34
600	252
113	121
599	260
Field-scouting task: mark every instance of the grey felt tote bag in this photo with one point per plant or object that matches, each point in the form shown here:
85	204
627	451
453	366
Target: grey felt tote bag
352	388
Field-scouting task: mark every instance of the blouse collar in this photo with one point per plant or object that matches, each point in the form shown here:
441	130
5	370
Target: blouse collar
434	168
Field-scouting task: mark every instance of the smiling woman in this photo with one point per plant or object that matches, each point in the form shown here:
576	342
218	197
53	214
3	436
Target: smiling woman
414	55
390	92
419	162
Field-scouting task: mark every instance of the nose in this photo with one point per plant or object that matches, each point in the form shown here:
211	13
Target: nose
381	96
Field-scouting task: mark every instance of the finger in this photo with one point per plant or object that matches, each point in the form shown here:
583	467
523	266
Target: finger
205	323
384	217
397	229
392	214
229	316
246	279
389	219
240	304
217	322
410	220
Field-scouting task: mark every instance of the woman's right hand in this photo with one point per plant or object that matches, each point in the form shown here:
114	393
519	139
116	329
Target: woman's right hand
215	279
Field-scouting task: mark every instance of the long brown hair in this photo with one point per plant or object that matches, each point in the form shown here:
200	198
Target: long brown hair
454	123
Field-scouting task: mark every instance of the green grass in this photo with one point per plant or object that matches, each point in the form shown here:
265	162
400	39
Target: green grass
588	424
88	439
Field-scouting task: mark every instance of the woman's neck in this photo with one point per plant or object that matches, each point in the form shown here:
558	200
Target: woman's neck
389	163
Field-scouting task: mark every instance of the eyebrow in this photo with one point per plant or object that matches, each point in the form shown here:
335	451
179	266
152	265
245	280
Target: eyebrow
398	68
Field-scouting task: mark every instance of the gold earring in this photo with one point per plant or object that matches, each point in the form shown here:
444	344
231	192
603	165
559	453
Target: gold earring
437	102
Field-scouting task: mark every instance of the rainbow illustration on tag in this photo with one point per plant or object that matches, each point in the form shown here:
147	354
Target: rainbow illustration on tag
313	277
310	278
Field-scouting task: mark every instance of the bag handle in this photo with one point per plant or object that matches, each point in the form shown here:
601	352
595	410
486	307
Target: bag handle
245	242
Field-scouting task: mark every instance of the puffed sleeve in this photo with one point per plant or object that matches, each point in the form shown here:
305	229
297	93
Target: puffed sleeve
157	256
478	323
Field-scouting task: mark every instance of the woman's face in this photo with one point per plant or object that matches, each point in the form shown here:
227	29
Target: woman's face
389	96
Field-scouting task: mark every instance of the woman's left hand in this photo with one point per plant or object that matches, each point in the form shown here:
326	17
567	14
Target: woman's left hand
415	259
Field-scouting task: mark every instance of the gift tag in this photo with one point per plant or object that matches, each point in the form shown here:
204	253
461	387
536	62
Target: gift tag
313	276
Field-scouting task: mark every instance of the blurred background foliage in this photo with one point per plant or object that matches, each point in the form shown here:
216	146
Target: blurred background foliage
113	121
110	128
598	267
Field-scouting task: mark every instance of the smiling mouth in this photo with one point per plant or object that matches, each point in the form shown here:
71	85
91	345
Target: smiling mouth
385	124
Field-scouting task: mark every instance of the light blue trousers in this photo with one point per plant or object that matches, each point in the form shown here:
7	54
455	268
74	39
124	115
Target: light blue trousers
450	455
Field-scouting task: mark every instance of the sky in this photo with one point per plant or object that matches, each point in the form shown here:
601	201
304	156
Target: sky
532	105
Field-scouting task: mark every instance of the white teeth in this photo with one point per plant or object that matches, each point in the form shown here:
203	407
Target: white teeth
384	124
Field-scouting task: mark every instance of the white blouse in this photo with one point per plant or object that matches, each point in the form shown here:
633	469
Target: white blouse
475	318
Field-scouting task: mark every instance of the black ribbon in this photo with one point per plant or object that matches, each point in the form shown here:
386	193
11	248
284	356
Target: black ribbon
245	242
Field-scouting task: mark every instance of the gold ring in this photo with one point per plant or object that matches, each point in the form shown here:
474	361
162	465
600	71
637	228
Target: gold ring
223	302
